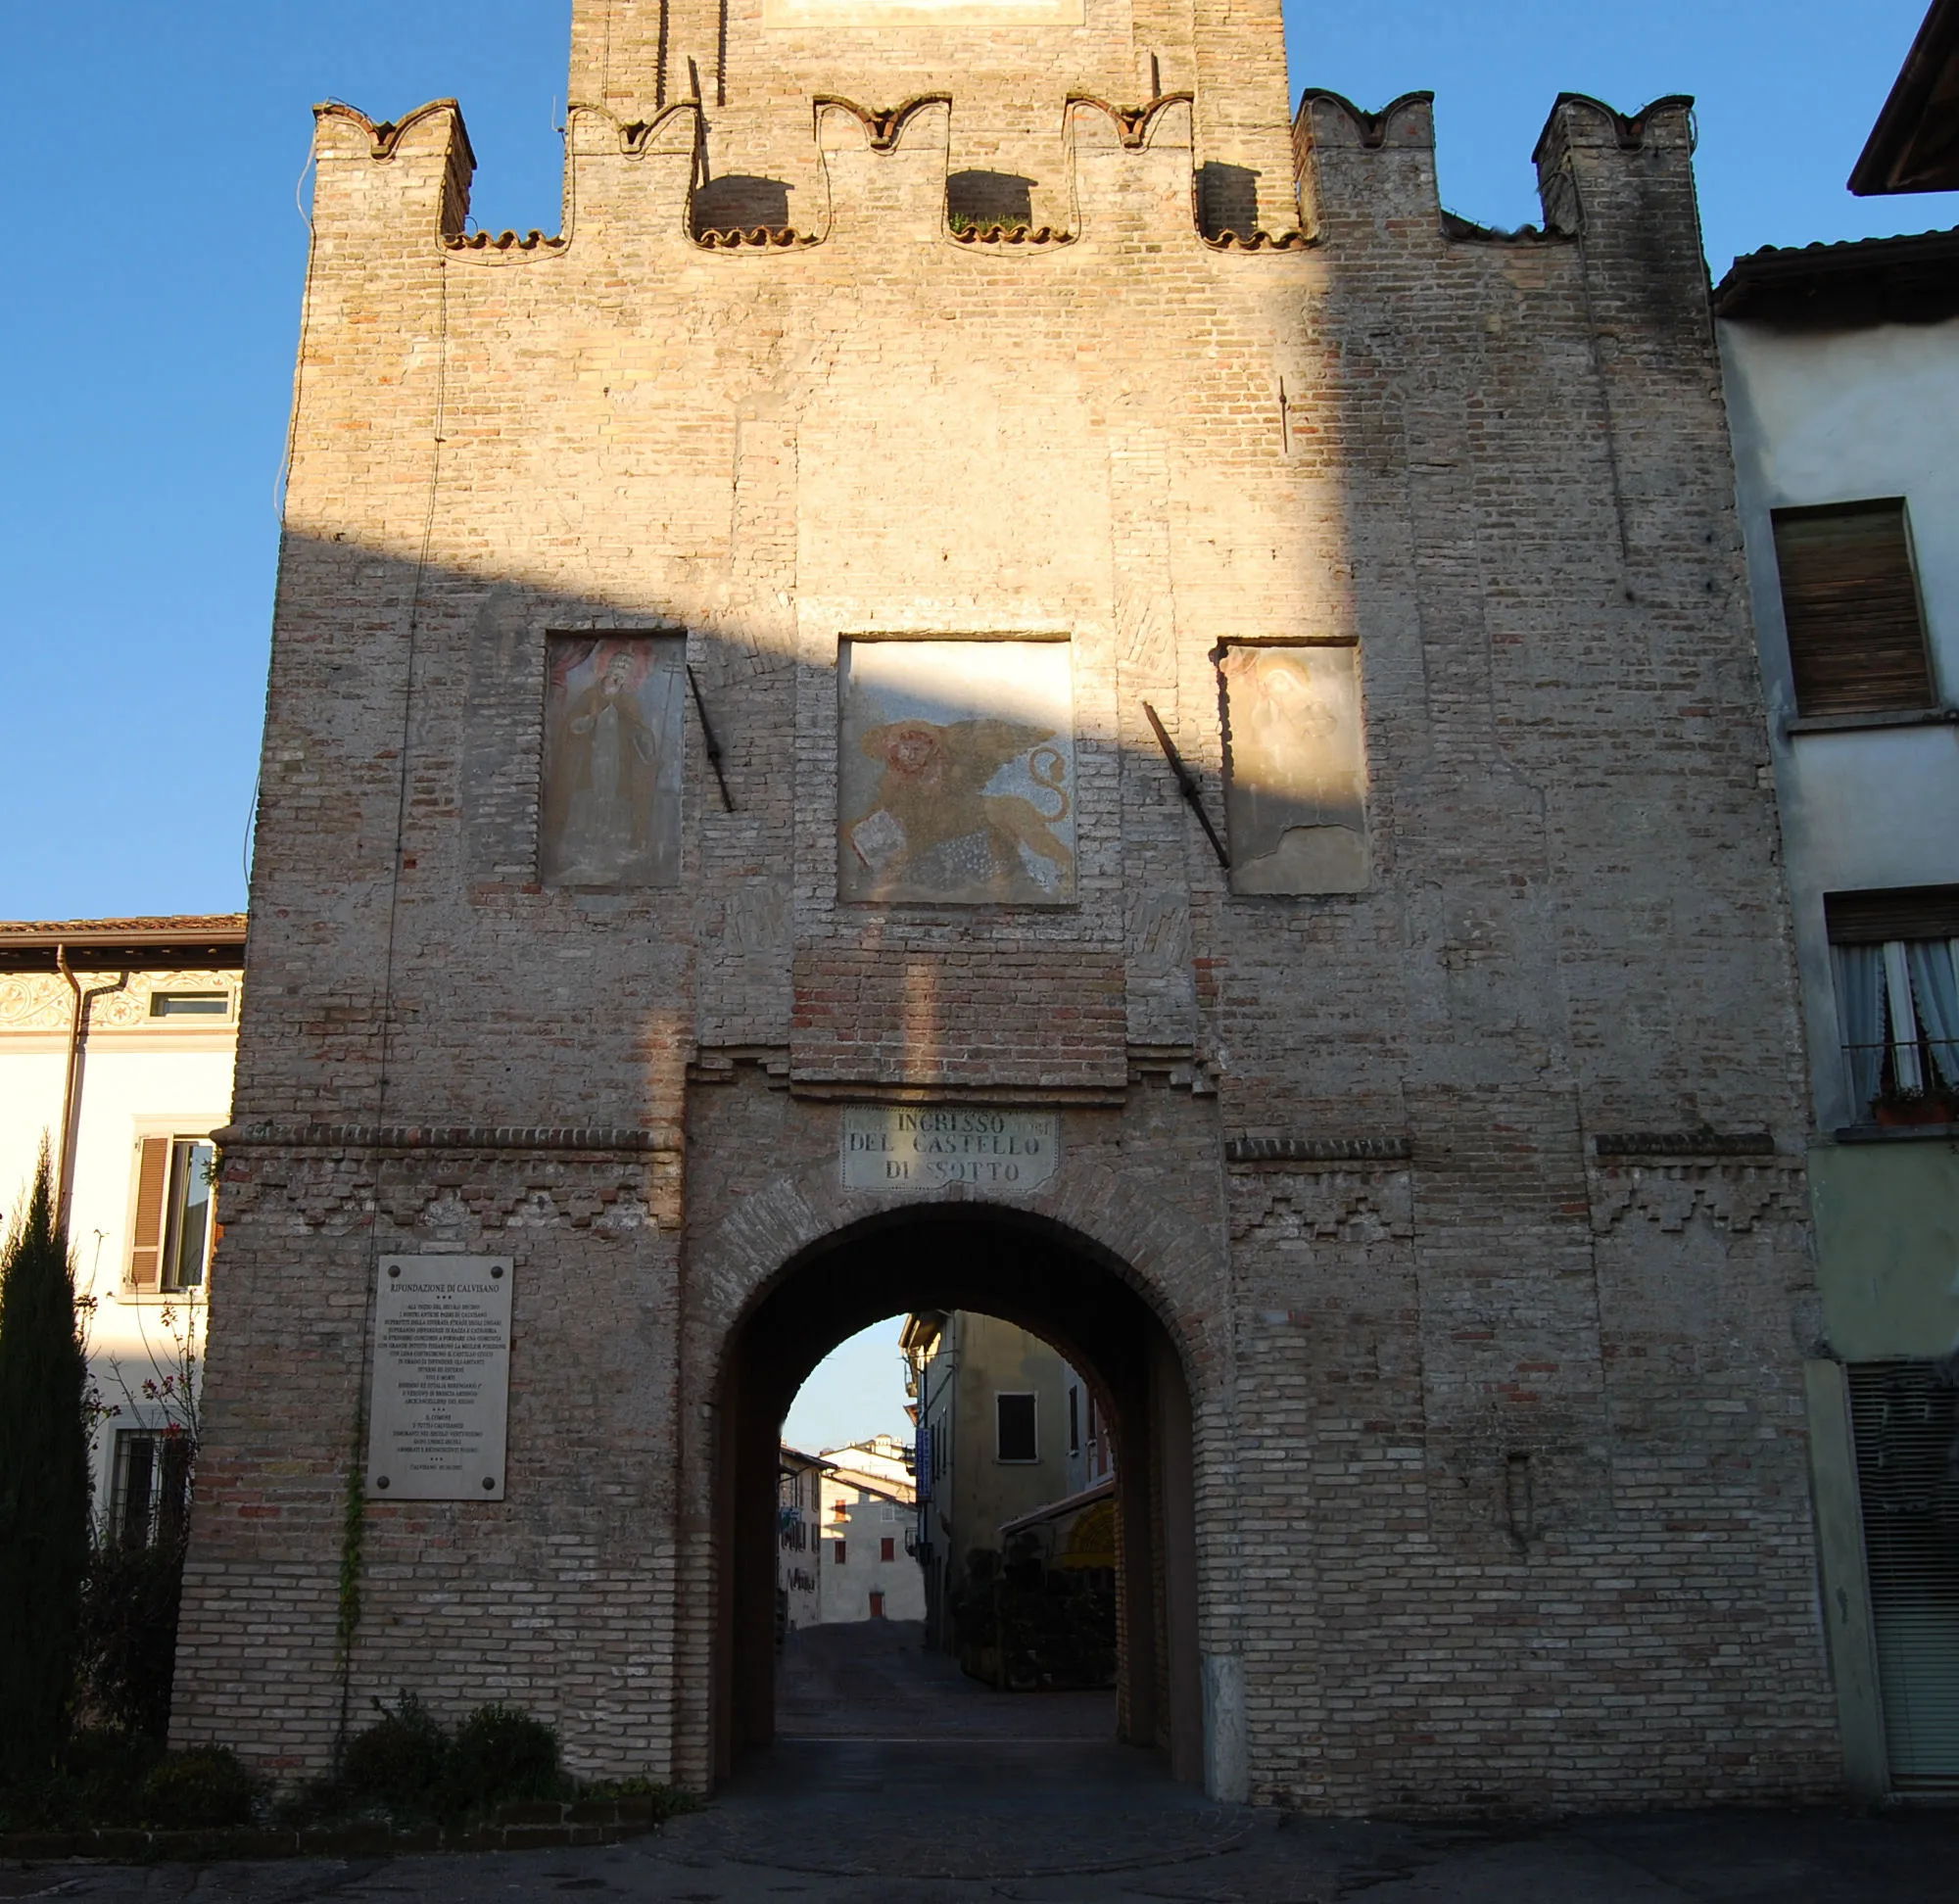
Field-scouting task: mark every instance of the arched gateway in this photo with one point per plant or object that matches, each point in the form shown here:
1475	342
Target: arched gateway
1027	1269
1003	678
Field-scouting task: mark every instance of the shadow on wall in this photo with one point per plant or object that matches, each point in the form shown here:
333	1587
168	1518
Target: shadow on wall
1227	199
990	198
398	883
739	202
963	780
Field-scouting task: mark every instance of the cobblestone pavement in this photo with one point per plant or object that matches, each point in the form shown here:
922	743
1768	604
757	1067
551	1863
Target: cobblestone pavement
892	1808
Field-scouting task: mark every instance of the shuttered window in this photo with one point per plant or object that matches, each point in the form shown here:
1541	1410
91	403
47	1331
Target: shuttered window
172	1231
187	1230
1891	912
146	1236
1014	1418
1896	956
1857	639
1905	1416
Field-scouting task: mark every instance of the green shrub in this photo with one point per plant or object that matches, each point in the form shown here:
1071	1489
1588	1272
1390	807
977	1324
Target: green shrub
202	1789
129	1634
501	1752
94	1782
43	1485
108	1760
401	1761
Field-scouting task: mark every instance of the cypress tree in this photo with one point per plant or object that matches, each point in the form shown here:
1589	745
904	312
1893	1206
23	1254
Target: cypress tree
44	1485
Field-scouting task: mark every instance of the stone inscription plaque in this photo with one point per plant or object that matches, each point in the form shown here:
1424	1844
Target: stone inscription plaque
903	1146
441	1378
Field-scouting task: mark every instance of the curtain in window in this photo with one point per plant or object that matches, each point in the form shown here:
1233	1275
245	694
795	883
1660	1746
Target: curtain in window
1933	981
1860	1011
1907	1073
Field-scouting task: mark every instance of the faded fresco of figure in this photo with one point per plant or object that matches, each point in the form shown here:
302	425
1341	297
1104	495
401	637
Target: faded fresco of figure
956	772
612	761
1296	785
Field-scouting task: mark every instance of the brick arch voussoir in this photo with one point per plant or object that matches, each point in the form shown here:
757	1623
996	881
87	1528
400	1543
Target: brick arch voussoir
1171	1258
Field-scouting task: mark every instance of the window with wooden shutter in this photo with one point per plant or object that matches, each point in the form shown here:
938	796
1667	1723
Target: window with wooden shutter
1891	912
146	1236
1015	1425
187	1212
1856	637
1895	958
1905	1417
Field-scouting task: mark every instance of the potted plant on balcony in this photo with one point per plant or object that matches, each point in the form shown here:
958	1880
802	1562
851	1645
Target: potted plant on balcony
1929	1105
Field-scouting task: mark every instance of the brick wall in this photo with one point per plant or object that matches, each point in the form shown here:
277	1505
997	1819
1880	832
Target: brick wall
1500	1475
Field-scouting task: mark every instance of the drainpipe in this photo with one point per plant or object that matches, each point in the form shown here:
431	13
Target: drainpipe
78	1039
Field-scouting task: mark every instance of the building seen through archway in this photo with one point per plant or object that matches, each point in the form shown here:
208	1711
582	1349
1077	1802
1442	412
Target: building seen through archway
986	1299
926	1583
1016	1503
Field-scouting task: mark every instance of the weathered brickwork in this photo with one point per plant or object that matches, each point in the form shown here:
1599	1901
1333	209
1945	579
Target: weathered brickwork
1497	1464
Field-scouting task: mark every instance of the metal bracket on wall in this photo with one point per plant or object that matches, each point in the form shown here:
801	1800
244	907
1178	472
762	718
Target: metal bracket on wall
713	745
1186	784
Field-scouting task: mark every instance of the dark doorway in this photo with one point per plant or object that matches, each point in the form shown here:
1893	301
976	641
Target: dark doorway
1000	1263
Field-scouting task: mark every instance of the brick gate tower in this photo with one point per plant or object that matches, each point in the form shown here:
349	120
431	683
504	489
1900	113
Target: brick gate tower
1000	676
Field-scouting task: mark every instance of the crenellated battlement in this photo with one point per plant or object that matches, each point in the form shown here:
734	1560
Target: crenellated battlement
1362	171
416	169
880	169
898	168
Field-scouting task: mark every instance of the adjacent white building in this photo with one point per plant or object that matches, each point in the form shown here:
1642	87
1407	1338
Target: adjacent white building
798	1540
1841	366
117	1045
869	1503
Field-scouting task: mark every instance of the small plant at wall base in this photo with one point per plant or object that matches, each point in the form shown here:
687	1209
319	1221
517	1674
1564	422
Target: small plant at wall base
406	1770
119	1780
965	221
400	1763
44	1485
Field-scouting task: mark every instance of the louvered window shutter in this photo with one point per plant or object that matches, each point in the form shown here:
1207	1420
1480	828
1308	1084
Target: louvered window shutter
1905	1416
146	1242
1856	639
1891	912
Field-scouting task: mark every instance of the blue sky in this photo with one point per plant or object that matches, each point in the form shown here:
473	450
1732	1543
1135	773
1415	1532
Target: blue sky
149	161
858	1391
150	158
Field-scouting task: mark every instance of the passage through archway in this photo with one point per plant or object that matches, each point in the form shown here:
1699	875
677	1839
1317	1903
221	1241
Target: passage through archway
1025	1271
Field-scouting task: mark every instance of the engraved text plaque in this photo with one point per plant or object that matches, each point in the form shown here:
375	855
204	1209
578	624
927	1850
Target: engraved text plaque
442	1377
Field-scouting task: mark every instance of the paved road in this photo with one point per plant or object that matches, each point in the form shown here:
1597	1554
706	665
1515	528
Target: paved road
874	1824
871	1815
877	1679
